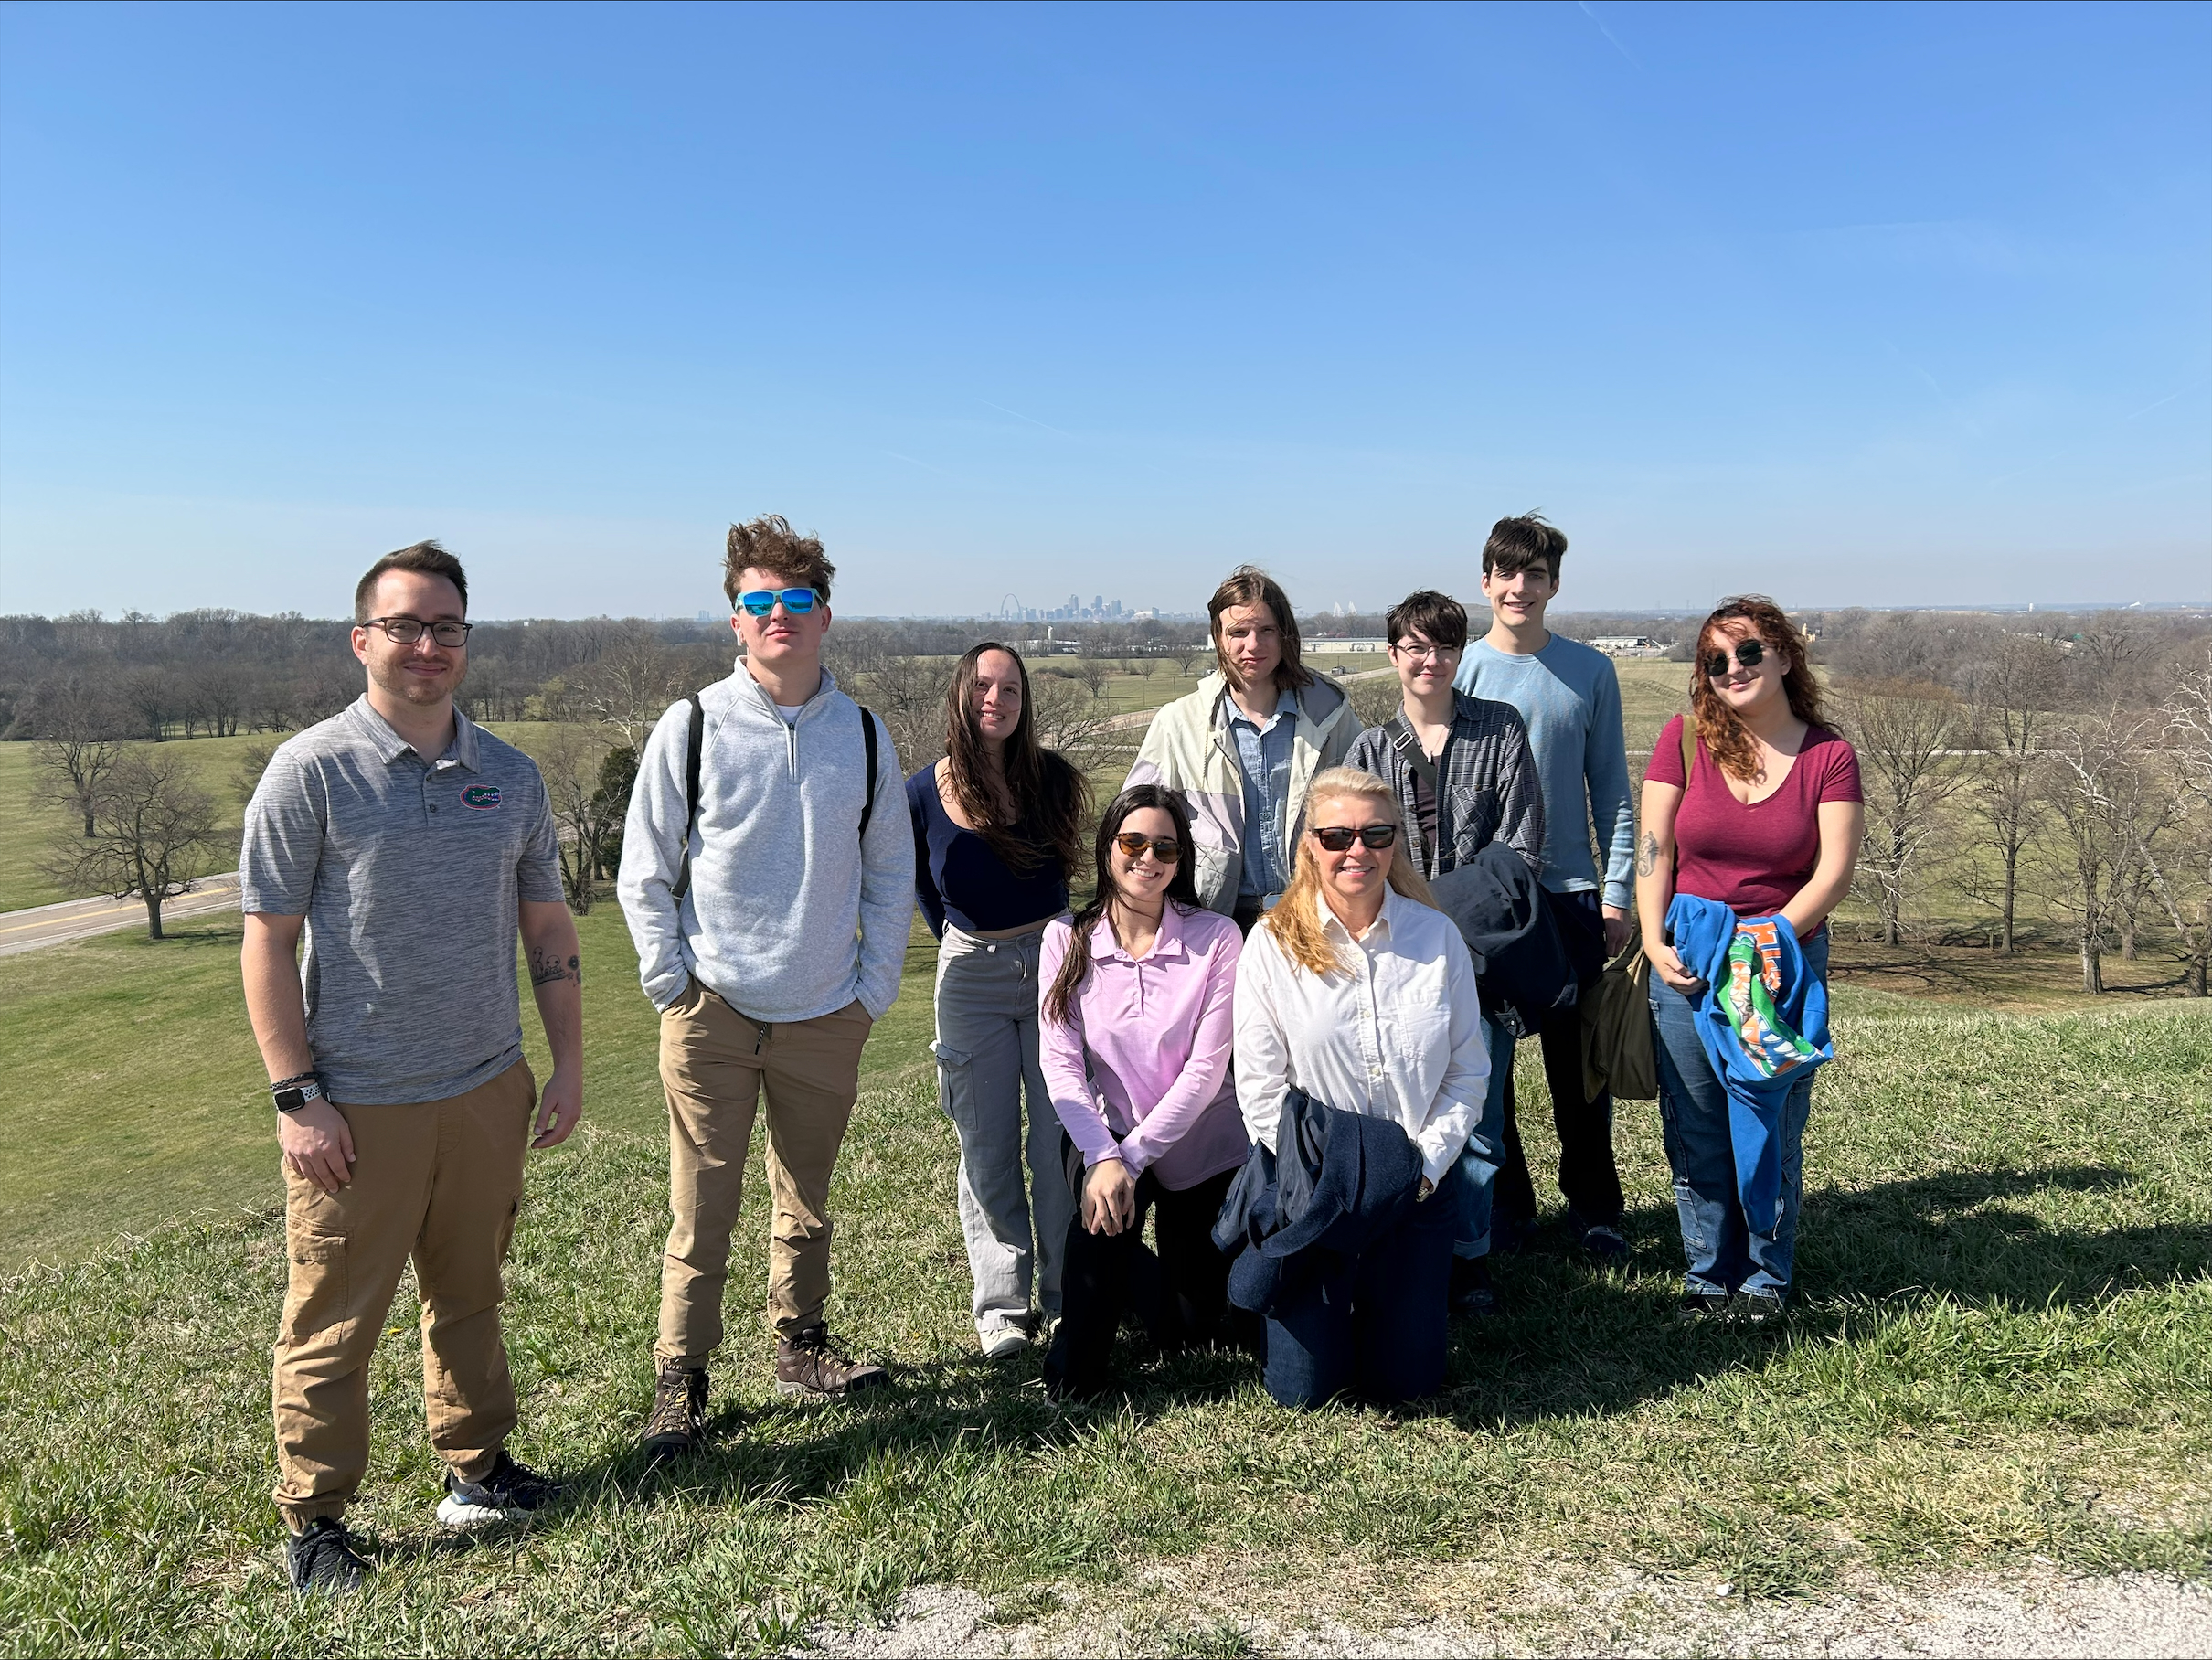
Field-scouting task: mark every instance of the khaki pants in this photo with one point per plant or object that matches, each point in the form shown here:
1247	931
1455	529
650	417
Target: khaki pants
713	1065
439	1182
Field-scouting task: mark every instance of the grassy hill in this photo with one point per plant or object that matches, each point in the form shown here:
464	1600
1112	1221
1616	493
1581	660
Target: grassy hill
2005	1350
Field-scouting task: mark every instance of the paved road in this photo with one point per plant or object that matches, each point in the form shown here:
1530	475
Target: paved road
79	919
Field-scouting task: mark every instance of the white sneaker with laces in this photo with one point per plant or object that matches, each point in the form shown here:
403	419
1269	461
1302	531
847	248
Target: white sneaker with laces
1004	1341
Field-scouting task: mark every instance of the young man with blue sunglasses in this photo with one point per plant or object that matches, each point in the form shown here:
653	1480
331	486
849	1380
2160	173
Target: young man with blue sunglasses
768	877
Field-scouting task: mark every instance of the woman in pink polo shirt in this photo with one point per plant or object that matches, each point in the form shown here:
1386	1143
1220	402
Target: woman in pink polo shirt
1135	1036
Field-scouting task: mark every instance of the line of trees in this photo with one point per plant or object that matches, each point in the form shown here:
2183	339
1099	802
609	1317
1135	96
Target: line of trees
2068	773
2049	764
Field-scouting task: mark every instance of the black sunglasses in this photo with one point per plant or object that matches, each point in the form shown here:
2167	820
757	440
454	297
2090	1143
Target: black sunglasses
1164	848
1339	838
1749	652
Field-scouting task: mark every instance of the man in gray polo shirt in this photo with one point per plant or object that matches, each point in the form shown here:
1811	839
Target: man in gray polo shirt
407	847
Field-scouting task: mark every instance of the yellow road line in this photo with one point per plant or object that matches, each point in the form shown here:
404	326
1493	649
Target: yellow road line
133	908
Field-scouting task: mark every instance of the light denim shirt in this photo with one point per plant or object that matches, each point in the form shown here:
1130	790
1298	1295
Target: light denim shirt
1263	759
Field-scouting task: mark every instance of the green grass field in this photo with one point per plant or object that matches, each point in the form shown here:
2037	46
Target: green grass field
2005	1349
134	1094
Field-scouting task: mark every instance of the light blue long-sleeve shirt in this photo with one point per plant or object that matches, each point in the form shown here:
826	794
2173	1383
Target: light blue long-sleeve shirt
1569	699
1263	757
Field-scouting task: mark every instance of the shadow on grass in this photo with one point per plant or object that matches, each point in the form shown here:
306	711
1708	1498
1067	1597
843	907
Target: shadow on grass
1574	1340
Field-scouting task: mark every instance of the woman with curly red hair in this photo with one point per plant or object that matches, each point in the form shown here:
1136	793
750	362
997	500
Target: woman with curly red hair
1755	807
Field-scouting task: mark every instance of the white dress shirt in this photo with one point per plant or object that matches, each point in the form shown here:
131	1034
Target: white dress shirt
1396	1034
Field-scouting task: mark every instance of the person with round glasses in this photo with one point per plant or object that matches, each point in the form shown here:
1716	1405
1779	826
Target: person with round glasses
1358	993
1756	806
999	824
1137	1028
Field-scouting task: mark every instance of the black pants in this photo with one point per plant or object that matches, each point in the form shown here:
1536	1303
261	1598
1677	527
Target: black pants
1589	1179
1181	1295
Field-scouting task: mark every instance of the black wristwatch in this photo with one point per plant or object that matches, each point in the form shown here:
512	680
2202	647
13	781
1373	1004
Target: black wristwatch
295	1094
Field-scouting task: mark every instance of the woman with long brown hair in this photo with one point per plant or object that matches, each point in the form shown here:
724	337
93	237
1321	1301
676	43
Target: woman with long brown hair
998	828
1356	999
1753	805
1136	1036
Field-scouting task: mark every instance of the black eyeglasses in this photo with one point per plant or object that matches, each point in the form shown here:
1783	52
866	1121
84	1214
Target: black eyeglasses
406	631
1164	848
1749	652
1339	838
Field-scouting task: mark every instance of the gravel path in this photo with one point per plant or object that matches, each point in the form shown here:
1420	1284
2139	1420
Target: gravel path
2045	1614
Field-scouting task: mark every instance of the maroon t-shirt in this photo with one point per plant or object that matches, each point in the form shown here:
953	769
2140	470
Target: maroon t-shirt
1752	858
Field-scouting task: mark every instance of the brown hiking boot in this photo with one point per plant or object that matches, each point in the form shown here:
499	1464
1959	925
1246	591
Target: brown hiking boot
679	1409
811	1365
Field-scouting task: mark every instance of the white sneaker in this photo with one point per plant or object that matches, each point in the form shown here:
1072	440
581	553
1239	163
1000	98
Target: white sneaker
1004	1341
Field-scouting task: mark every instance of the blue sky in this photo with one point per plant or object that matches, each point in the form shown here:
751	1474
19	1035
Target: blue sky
1853	305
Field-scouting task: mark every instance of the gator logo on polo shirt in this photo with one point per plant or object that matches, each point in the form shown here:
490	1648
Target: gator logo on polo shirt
483	797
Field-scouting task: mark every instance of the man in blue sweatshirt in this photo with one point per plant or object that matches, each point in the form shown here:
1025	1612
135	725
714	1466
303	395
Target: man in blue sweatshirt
1569	699
768	878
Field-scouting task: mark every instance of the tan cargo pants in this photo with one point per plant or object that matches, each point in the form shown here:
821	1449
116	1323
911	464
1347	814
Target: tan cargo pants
439	1182
715	1064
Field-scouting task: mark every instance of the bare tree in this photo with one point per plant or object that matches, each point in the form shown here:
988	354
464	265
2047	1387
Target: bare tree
1375	701
568	758
1904	736
909	694
325	688
252	762
1192	660
2004	790
79	729
2184	883
1079	726
1094	673
631	686
154	835
2094	777
216	695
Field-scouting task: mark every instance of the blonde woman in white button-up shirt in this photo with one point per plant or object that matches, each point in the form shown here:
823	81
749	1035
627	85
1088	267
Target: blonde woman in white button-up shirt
1357	991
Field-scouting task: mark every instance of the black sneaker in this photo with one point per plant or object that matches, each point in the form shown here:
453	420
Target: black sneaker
1509	1237
1703	1307
1760	1307
1471	1296
679	1412
1605	1246
510	1492
323	1561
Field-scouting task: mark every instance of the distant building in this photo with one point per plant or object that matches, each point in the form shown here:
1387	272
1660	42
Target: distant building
1629	646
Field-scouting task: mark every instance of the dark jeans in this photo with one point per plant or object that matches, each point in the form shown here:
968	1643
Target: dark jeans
1180	1294
1371	1325
1589	1179
1485	1149
1723	1253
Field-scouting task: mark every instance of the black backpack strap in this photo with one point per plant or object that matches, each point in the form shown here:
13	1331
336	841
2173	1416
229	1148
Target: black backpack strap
682	885
867	738
1403	739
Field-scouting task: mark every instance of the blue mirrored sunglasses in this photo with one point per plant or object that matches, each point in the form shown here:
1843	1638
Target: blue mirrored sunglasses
762	600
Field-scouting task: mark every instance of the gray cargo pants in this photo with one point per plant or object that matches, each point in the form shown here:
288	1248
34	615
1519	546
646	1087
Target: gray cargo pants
986	1062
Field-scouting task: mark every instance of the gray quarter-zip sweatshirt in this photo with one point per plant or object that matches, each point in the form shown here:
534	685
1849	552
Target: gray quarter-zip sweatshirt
791	914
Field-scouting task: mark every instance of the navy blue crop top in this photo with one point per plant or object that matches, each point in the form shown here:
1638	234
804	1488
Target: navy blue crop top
958	879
